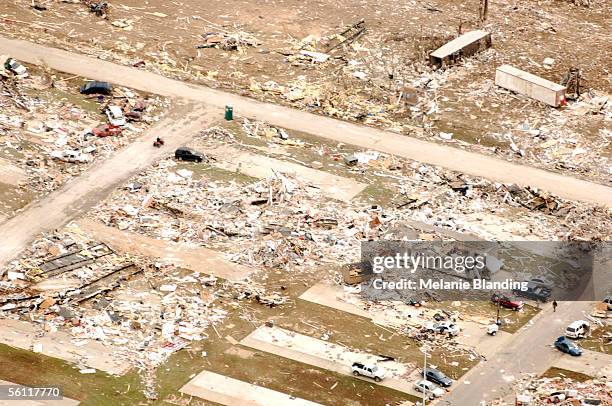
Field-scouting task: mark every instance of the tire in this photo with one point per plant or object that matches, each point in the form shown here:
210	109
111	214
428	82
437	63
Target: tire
355	373
377	379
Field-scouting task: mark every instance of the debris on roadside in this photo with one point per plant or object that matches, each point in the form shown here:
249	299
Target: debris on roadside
228	41
53	139
559	390
143	309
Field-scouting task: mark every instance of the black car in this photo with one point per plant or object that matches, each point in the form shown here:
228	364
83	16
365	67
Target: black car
534	291
435	376
95	87
608	301
185	154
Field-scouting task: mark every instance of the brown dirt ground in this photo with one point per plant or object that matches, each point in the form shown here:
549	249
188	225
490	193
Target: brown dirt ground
524	33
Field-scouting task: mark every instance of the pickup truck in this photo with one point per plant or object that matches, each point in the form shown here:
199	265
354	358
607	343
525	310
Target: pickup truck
371	371
443	327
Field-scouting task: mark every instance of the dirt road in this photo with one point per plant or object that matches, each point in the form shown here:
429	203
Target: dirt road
80	194
529	351
365	137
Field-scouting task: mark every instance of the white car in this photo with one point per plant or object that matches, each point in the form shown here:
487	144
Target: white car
115	116
444	327
15	67
371	371
577	329
70	156
429	388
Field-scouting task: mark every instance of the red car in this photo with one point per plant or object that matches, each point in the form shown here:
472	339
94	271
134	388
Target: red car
506	302
106	130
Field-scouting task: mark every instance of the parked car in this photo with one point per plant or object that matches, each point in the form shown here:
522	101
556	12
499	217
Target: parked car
429	388
95	87
70	156
186	154
567	346
534	291
371	371
541	281
435	376
15	67
577	329
608	301
505	301
115	116
105	130
444	327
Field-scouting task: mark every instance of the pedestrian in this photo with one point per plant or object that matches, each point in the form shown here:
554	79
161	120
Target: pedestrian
554	305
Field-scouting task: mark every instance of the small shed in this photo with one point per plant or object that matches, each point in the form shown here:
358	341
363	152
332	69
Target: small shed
530	85
465	45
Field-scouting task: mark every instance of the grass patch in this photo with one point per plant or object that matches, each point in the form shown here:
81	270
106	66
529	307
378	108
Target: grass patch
600	340
27	368
555	372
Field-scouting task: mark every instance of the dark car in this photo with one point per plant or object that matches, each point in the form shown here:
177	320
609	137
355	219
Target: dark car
608	301
567	346
505	301
185	154
534	291
435	376
95	87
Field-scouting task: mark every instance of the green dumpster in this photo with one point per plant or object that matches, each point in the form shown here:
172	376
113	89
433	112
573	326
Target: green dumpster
229	112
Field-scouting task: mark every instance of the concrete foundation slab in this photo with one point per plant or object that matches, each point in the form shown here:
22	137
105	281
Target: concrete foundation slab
261	166
330	356
21	334
473	334
590	363
233	392
11	174
195	258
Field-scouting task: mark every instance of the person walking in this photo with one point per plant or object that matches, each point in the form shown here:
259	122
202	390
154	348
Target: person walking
554	305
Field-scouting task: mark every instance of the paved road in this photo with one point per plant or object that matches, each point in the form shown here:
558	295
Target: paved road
80	194
365	137
529	351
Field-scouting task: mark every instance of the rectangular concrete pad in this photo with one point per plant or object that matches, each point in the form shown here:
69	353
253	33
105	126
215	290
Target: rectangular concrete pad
21	334
473	334
322	354
35	402
327	295
261	166
590	363
198	259
232	392
11	174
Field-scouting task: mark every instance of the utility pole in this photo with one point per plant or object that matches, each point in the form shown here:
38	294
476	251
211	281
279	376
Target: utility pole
484	9
424	374
497	320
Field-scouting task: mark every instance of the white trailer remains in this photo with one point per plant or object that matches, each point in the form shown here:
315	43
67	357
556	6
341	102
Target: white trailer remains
525	83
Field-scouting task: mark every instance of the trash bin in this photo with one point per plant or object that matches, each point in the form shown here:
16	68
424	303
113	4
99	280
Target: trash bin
229	112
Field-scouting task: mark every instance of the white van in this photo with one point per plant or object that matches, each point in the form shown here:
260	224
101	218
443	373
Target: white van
577	329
